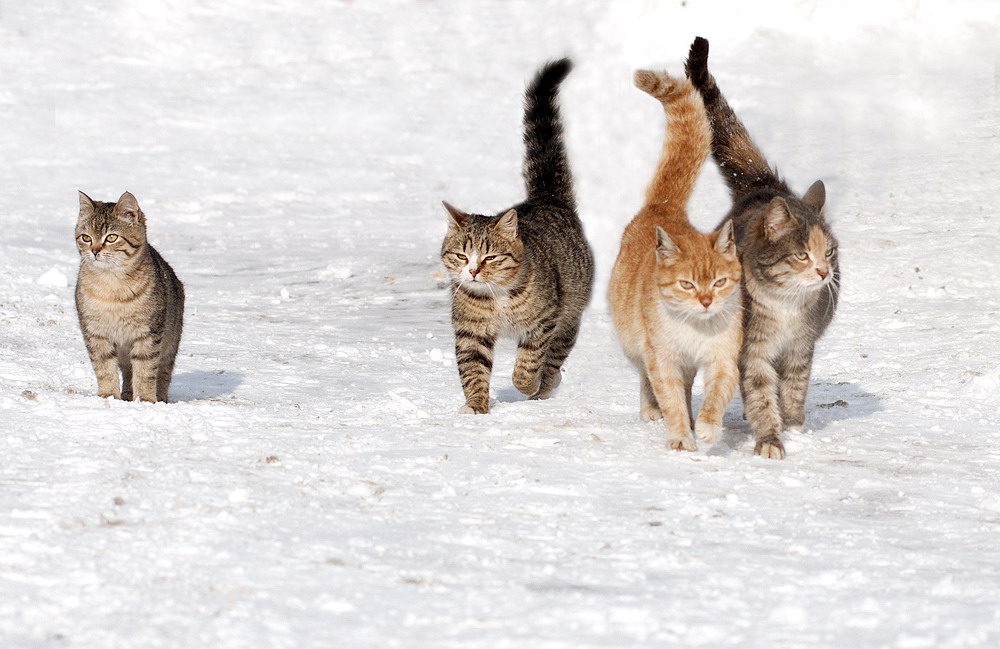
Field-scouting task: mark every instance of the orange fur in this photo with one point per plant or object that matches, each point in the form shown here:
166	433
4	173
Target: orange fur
675	291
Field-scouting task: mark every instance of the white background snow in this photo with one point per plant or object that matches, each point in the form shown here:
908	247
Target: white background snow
312	485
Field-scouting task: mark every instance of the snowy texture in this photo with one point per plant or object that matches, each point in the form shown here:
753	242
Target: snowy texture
312	484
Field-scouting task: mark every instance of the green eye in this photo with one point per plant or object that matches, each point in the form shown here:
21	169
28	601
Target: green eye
720	283
829	253
111	238
802	256
687	286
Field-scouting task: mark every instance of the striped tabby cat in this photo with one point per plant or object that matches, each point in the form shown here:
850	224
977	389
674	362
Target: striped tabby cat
675	291
790	270
525	273
130	302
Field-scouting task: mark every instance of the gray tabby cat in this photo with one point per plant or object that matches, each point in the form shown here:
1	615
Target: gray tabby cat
525	273
791	275
130	302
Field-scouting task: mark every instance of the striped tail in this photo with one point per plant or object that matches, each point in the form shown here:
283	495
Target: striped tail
546	168
743	166
687	142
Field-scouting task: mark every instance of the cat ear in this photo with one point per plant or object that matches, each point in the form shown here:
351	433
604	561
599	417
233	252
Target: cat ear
666	249
816	195
725	243
128	207
87	206
778	219
507	224
456	217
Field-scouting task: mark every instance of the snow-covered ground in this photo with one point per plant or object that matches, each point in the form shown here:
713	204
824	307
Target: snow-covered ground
312	484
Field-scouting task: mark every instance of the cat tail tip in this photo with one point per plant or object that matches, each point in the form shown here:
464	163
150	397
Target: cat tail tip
658	84
551	75
696	66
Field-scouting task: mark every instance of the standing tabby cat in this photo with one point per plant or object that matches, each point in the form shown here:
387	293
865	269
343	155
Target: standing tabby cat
675	291
790	271
130	302
526	273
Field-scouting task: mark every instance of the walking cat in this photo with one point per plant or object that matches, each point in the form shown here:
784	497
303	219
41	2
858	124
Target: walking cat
527	272
791	274
130	302
675	291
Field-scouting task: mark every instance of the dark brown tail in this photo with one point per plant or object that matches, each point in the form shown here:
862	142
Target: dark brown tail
743	166
546	168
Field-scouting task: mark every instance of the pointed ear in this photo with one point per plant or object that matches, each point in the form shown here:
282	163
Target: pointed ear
87	207
127	207
816	195
666	249
456	217
507	224
778	219
725	243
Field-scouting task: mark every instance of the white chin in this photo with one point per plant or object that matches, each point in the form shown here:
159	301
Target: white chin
476	287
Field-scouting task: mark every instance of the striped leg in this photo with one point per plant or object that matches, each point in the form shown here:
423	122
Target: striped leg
532	350
145	358
104	359
759	385
560	347
794	376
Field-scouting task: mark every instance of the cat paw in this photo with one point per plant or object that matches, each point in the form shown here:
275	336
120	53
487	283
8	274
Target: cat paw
650	414
474	408
686	443
770	447
707	432
527	385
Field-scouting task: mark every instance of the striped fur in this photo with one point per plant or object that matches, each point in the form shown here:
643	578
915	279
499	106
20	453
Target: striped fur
675	291
130	302
790	269
525	273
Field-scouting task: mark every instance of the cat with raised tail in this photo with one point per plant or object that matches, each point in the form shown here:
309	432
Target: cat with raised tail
791	275
675	291
526	272
130	302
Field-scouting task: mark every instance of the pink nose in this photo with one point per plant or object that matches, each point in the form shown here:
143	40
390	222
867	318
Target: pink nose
706	300
822	273
473	272
96	251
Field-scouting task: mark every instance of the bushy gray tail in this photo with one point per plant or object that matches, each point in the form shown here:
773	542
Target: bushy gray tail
546	168
743	166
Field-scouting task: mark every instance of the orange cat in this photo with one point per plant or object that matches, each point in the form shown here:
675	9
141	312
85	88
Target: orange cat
675	292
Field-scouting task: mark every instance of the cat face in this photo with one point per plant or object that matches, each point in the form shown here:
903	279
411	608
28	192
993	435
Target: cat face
482	254
109	234
794	250
699	276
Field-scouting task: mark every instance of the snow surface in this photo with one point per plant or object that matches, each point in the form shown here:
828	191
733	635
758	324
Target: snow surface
312	484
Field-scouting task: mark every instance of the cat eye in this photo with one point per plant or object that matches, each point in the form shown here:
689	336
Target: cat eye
86	238
687	286
829	253
802	256
720	283
489	258
460	256
111	238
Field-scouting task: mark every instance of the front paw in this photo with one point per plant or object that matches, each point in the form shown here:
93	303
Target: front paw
770	447
650	413
475	408
527	384
707	432
685	443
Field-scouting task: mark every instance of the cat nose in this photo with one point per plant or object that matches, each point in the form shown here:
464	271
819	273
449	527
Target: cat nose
95	251
473	271
822	272
706	300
